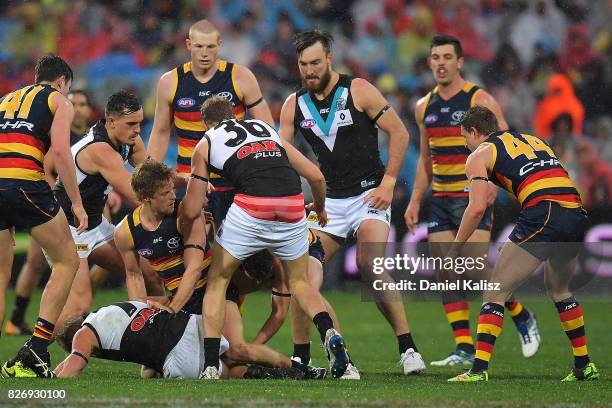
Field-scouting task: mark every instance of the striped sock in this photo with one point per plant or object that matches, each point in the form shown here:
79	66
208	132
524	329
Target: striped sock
519	313
572	321
458	315
490	323
43	333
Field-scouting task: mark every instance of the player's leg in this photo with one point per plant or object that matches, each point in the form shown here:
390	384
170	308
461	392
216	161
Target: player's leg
512	268
29	276
372	237
81	294
6	254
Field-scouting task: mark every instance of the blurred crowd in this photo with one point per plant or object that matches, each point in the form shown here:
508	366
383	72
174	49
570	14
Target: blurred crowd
547	62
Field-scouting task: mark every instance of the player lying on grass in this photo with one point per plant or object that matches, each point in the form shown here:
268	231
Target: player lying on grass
549	229
170	344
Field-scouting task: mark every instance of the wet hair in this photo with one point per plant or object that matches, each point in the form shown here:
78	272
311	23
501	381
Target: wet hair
445	39
122	103
149	177
480	118
216	109
68	330
51	67
306	39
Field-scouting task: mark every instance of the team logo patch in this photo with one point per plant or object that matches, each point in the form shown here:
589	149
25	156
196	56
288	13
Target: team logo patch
82	247
457	116
186	102
174	242
145	252
431	118
226	95
307	123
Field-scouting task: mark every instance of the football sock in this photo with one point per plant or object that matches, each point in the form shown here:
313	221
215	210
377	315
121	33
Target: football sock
211	351
21	304
323	322
572	321
302	350
519	313
457	312
43	333
404	342
490	323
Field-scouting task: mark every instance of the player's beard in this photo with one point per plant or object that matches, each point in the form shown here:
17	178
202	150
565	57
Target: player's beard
323	82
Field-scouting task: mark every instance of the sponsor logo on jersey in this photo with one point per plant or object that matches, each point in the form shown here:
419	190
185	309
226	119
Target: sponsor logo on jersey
457	116
324	110
226	95
365	183
265	148
307	123
204	93
431	118
186	102
446	109
145	252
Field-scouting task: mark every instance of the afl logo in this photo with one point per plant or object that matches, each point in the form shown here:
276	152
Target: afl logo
145	252
307	123
226	95
458	115
431	118
174	242
186	102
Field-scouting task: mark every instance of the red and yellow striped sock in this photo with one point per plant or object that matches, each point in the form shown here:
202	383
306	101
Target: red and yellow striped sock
43	333
572	321
458	315
490	323
519	313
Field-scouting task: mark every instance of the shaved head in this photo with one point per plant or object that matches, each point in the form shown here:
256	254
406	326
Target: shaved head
204	27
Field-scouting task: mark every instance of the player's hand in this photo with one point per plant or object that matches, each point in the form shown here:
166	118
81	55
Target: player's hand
322	217
157	305
380	198
208	217
411	216
80	217
114	202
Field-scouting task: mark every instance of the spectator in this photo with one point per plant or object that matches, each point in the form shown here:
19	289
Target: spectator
595	178
559	99
577	51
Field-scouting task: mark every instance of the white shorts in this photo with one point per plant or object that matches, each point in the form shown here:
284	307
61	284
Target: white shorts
346	214
243	235
186	359
90	240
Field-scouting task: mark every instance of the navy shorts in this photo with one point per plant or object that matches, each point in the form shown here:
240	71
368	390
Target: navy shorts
219	203
194	304
445	214
26	205
540	230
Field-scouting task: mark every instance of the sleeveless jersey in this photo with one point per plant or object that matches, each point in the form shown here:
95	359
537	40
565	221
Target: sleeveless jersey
26	116
163	248
130	331
186	101
93	187
526	166
448	151
344	140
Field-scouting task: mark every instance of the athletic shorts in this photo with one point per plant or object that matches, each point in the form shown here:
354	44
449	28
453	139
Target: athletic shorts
445	214
540	229
26	205
242	235
219	203
186	359
345	215
194	304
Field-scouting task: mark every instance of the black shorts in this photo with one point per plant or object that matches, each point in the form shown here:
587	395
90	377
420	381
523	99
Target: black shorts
219	203
445	214
194	304
26	205
540	230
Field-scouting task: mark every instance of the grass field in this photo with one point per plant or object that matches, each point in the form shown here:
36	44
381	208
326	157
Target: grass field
514	381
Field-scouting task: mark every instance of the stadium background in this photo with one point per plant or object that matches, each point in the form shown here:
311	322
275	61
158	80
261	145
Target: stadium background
548	63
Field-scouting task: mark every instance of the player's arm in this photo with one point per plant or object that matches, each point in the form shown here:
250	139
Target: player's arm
83	344
109	164
287	130
62	156
193	255
424	172
139	153
315	178
134	281
281	300
160	134
476	171
369	99
253	98
49	168
195	196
